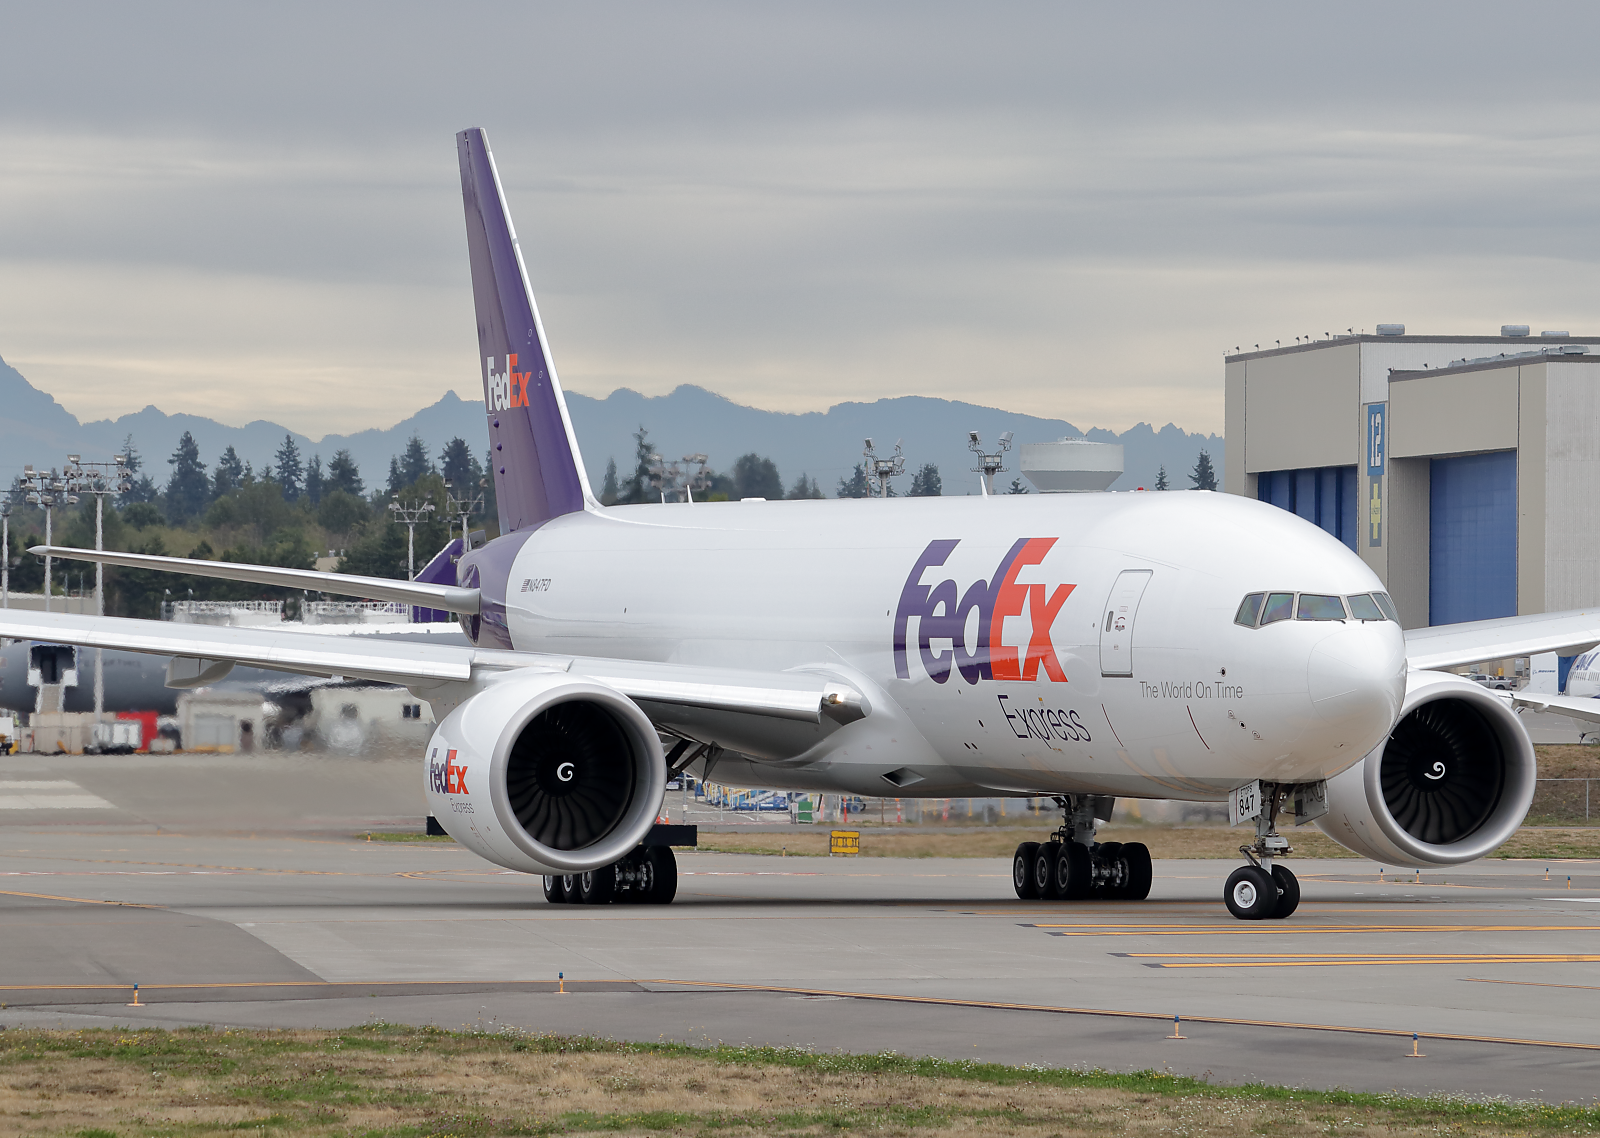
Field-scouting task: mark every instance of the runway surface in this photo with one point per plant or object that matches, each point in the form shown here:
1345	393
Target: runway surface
234	891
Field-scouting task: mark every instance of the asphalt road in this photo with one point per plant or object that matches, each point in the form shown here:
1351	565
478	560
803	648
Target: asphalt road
235	891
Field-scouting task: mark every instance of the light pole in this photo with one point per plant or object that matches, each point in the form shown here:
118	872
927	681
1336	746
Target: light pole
47	490
5	552
411	513
988	464
880	470
99	479
466	507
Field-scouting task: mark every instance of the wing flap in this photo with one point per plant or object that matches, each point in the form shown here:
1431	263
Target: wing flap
1452	645
450	598
1570	705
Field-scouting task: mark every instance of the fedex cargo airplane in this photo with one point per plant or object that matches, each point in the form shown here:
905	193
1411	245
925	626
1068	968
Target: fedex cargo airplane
1078	647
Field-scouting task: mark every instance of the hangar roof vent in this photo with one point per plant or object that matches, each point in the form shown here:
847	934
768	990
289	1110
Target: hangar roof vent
1391	329
1513	329
1555	335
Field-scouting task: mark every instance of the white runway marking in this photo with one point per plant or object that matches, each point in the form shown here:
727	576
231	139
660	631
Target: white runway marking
49	794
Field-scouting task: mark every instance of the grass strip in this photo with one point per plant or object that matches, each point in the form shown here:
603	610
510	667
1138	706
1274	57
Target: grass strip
395	1081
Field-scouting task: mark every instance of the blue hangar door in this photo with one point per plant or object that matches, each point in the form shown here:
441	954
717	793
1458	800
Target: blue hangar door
1472	539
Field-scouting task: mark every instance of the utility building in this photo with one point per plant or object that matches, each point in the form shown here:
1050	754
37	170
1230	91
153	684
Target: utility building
1462	469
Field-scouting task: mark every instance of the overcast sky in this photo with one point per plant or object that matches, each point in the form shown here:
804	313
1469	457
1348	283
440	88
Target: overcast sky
254	211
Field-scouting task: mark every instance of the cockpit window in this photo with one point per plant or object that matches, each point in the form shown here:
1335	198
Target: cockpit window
1363	607
1387	606
1316	606
1280	606
1249	609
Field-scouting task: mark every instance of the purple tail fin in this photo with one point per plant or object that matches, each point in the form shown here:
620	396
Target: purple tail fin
538	474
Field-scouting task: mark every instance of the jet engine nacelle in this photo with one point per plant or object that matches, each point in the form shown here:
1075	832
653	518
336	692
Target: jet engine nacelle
546	773
1451	783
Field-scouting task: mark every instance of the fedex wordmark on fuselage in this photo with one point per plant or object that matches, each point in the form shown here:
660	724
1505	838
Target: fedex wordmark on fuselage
985	648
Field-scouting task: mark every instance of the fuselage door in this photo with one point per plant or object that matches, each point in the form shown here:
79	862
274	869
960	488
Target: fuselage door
1116	626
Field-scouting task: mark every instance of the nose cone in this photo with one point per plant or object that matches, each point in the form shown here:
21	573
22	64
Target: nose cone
1356	677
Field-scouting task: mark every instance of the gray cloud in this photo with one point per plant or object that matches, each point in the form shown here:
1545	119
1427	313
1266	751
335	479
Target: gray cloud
1067	210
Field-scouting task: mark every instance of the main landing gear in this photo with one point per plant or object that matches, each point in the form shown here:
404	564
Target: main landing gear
647	876
1072	866
1262	891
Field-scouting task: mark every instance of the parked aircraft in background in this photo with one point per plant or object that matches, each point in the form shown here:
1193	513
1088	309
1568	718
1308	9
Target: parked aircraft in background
1079	646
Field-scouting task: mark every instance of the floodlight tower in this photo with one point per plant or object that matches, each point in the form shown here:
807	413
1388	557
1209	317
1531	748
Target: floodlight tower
410	513
883	469
699	480
47	490
466	506
664	476
988	464
5	551
99	479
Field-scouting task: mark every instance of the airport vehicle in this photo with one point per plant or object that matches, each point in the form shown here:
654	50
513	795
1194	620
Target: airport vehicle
1079	647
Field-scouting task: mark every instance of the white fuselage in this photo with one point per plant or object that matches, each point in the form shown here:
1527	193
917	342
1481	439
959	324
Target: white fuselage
1114	664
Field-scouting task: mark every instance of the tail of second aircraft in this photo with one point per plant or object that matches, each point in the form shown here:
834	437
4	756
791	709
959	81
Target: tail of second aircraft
538	473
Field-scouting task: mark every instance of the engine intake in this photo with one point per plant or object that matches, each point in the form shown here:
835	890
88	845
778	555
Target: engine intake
1451	783
546	773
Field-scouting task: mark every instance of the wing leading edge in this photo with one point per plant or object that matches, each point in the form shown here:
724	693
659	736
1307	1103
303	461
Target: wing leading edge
1452	645
789	695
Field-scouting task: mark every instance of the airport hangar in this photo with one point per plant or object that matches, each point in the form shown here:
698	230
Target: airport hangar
1462	469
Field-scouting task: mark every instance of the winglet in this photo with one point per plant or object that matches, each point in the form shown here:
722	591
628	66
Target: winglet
538	473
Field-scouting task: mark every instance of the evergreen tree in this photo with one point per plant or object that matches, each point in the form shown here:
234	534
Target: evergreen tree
228	474
187	489
926	483
287	469
343	475
608	488
414	465
756	477
1204	478
856	485
142	487
1017	487
460	467
638	489
1161	479
395	482
315	483
805	487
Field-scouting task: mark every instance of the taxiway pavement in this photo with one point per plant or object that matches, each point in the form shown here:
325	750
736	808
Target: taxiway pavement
239	891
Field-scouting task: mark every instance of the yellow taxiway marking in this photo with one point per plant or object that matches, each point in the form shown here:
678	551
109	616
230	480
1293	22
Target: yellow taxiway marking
1532	984
1330	959
1163	1017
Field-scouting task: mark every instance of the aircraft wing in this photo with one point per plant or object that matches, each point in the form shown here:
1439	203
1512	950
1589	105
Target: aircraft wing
1574	706
1452	645
786	695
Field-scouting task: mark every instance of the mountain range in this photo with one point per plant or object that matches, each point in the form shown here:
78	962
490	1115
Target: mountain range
826	445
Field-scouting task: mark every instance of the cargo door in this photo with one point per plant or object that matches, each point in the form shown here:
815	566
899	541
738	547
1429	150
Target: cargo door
1116	627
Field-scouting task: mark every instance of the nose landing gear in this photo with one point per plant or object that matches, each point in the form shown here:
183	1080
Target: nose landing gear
1072	866
1261	890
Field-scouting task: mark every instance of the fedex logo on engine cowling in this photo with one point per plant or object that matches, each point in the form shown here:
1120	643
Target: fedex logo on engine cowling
448	777
507	387
943	611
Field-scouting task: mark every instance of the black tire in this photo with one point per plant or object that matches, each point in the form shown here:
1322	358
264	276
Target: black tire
1250	893
598	886
1044	871
1288	893
569	888
1140	872
1074	877
554	891
1022	871
664	882
1110	853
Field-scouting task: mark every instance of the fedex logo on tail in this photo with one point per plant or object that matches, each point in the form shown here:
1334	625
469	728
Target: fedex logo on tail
506	388
943	611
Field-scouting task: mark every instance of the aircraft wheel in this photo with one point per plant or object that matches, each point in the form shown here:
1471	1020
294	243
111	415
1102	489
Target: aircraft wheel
1140	871
1250	893
1074	876
1110	852
555	890
1022	871
664	876
1288	893
1044	871
598	886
